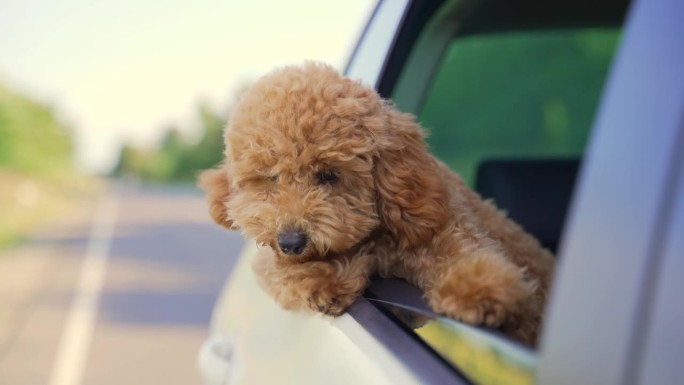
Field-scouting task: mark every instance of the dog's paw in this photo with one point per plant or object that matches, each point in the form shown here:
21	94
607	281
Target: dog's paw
488	312
330	302
487	291
319	286
487	305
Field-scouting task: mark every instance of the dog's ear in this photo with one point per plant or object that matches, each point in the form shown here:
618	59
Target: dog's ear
412	197
217	186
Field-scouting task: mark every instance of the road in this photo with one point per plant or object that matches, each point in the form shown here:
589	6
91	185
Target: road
119	291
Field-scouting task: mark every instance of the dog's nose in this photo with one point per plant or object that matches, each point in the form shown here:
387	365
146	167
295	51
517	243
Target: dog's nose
291	242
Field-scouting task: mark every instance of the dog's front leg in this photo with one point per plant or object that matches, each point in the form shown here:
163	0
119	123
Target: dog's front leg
484	288
328	286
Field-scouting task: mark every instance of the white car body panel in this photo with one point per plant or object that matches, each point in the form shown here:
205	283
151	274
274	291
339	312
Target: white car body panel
254	341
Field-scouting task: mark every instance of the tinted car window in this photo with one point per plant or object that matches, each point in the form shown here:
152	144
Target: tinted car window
524	94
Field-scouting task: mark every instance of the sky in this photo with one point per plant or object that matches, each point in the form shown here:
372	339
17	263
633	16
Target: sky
124	70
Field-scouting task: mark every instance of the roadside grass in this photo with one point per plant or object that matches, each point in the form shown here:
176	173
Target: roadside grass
29	201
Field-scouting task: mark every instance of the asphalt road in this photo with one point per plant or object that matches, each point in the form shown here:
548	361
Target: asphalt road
119	291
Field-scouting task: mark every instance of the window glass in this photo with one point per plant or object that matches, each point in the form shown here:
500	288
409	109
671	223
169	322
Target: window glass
526	94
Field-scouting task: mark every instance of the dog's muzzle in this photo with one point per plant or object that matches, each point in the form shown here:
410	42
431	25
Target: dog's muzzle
292	243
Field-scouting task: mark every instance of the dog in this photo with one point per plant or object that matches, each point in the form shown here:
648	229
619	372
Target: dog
337	185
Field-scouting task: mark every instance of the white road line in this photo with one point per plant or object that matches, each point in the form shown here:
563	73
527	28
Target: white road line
75	342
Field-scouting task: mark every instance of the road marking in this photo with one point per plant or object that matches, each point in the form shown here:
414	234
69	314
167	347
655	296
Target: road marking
74	346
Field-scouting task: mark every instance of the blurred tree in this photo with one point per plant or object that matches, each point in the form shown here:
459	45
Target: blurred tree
36	171
32	138
177	159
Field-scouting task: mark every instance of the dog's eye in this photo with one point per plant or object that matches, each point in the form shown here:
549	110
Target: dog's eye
273	178
327	177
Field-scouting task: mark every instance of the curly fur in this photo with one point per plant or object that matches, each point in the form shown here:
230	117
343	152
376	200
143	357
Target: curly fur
395	211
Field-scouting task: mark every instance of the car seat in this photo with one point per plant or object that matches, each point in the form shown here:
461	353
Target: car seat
534	192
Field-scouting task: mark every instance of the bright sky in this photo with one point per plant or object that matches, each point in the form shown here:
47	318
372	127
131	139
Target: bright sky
121	70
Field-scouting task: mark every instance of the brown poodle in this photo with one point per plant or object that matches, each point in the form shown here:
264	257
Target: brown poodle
339	186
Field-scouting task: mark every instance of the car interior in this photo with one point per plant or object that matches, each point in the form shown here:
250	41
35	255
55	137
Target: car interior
534	192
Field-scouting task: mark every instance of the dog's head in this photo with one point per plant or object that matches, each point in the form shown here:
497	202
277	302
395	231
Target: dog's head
316	162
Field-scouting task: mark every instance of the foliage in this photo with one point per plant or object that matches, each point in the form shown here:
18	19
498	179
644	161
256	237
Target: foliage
37	179
176	159
32	137
517	95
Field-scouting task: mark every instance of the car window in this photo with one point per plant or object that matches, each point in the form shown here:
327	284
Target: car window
518	104
523	94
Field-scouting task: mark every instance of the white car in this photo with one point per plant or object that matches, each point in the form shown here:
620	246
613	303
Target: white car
570	114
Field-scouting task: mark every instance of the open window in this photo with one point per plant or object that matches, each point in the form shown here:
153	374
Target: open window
508	92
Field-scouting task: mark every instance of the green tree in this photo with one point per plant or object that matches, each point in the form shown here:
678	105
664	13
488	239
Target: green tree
176	159
32	137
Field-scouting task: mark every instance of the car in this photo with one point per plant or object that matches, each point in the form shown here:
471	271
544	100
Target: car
570	115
